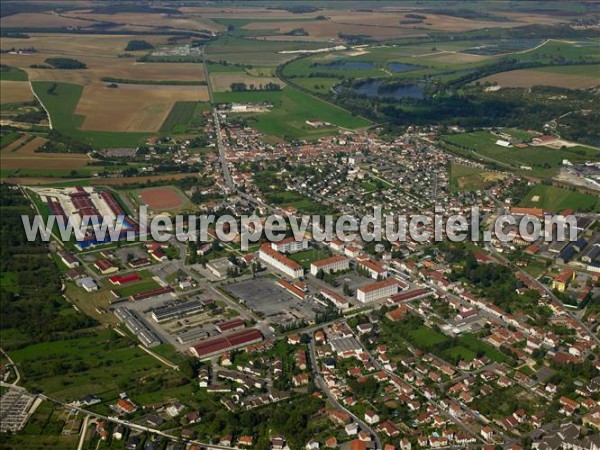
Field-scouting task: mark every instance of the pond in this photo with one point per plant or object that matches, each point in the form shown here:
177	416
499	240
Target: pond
401	67
346	65
376	88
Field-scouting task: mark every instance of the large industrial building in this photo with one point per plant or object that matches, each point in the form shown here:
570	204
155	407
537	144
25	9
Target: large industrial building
214	346
137	326
176	311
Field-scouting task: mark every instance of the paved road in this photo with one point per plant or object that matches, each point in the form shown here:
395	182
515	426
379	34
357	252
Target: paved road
456	420
548	291
132	425
18	375
83	432
323	387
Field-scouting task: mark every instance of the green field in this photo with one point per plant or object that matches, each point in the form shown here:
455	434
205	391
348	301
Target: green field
544	161
43	430
296	200
137	287
584	51
291	109
426	337
179	117
61	105
307	257
586	70
556	199
467	178
9	137
13	74
469	346
466	346
99	363
253	51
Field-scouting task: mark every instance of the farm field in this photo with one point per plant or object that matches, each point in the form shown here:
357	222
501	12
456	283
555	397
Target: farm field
291	109
254	52
298	201
39	20
45	178
329	30
61	103
83	106
571	77
222	82
10	73
179	117
545	162
12	143
144	20
466	346
127	116
556	199
15	92
25	160
85	45
132	108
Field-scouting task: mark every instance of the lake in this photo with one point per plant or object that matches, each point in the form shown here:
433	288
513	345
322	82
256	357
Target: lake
347	65
376	88
401	67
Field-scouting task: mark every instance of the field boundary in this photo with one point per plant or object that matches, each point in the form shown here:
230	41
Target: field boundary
41	103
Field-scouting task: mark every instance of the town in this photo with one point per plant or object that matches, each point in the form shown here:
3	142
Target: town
407	343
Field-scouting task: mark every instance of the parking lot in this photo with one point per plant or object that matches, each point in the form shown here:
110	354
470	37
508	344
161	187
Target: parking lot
353	280
277	305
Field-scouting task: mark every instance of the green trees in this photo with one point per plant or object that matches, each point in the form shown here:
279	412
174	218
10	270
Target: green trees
136	45
31	300
66	63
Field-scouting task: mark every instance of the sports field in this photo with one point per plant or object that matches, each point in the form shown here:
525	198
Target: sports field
556	199
164	198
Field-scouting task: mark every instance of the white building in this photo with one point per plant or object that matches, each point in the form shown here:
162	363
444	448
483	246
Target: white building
376	291
290	245
374	270
352	252
371	417
220	267
69	260
338	301
333	264
280	262
87	283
